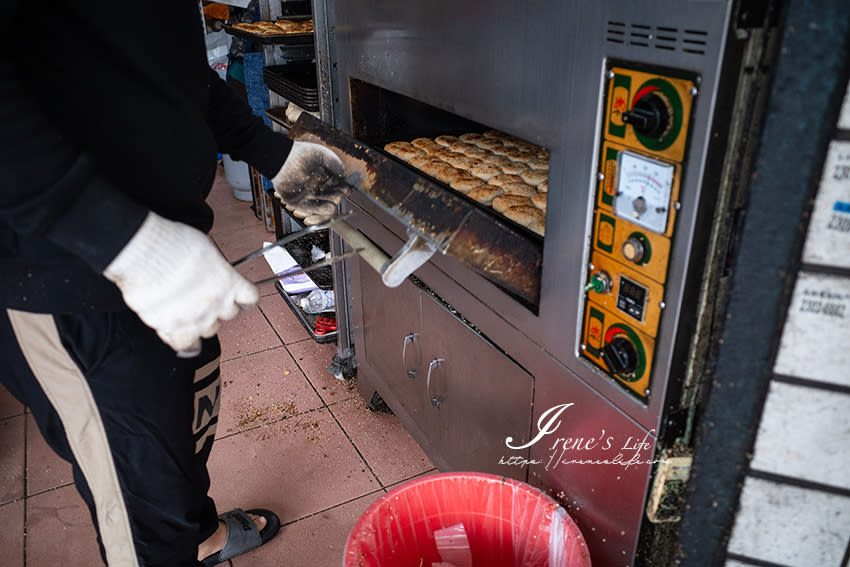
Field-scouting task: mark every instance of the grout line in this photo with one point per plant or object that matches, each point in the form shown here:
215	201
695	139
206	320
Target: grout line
268	423
307	377
356	449
383	489
402	481
846	559
246	355
814	384
799	482
335	506
752	560
241	356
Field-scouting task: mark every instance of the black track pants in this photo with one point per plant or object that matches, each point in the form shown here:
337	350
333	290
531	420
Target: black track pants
136	422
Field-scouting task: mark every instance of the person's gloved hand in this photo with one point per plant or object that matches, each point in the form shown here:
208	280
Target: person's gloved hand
311	179
178	283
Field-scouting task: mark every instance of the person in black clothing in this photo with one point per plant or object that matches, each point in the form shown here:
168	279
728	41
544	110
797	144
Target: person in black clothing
110	125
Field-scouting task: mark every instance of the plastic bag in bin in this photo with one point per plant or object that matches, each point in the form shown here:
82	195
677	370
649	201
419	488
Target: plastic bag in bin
465	519
453	547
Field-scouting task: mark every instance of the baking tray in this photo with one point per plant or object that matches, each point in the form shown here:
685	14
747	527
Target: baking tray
293	93
281	39
306	103
307	320
296	82
300	77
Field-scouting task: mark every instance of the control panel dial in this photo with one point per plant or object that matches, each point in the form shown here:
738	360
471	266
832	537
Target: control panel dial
651	115
634	249
620	356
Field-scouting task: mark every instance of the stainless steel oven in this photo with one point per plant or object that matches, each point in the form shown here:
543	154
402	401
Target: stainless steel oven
583	374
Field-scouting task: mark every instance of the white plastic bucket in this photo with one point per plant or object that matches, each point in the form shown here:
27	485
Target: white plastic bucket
239	177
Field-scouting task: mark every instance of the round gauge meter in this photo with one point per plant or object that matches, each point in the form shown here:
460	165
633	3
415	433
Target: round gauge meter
643	191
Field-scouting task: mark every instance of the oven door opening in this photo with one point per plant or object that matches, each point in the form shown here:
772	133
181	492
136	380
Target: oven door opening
502	178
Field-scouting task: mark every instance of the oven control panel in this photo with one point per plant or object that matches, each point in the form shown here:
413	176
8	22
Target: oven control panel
643	147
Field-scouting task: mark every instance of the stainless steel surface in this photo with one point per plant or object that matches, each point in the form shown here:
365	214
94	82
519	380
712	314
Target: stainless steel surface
400	334
606	500
325	44
537	71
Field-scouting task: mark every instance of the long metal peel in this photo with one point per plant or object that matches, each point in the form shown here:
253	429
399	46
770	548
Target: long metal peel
290	237
321	264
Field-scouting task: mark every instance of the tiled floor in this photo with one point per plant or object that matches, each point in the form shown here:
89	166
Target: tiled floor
291	438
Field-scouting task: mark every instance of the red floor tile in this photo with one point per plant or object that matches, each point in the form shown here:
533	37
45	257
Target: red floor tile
248	333
12	441
60	531
236	244
45	469
282	319
230	213
9	405
314	359
12	533
262	388
318	541
390	451
296	467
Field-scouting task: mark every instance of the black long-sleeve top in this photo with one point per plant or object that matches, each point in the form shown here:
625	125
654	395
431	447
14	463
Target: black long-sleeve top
108	110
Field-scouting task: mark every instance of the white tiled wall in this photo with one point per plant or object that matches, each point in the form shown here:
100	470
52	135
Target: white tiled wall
794	509
804	434
791	526
815	339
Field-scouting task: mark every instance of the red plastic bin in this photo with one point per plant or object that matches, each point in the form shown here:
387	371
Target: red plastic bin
506	523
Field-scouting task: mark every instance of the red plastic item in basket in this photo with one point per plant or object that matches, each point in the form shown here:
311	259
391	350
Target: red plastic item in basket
324	325
480	520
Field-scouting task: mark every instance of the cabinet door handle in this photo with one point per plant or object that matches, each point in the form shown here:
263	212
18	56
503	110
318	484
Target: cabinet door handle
435	399
411	372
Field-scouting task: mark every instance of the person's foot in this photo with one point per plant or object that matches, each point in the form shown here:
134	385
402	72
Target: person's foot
215	542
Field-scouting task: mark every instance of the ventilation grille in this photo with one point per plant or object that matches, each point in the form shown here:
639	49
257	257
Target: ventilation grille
652	37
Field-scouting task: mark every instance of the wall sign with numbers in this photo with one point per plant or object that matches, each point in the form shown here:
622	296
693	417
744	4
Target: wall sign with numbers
828	241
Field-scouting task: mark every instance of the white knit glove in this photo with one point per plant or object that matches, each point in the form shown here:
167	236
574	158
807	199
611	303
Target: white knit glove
311	179
178	283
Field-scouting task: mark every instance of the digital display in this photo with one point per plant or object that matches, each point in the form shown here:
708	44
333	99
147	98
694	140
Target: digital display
631	298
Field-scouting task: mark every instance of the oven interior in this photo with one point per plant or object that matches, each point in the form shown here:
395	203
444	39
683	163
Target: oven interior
380	116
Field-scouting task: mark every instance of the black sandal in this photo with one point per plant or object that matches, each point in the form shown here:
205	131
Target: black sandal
242	534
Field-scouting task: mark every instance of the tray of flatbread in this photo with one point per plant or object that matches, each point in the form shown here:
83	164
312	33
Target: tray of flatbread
507	174
289	31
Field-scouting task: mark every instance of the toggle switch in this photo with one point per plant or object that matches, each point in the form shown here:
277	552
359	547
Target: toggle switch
600	282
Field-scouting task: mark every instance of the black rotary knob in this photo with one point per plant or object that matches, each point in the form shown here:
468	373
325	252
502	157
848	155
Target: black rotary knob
620	356
650	116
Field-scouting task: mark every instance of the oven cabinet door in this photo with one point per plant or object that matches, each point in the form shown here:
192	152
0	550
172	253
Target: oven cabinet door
390	350
476	396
